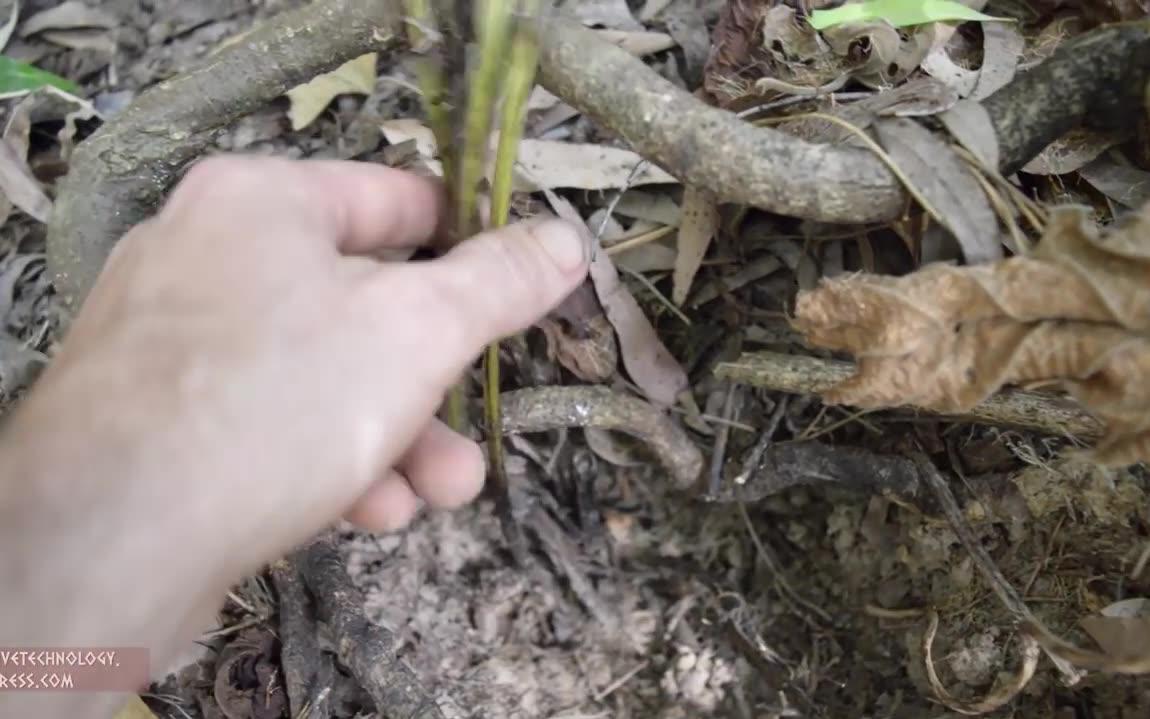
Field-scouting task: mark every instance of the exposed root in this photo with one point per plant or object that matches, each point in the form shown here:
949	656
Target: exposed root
800	374
369	650
800	463
547	408
995	699
307	672
121	173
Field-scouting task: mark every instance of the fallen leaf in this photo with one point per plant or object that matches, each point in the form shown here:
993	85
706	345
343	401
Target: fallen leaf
9	26
1002	46
407	129
687	25
947	184
580	337
308	101
751	272
651	257
82	39
970	124
699	226
939	65
653	207
68	16
1125	185
614	448
654	369
549	164
135	708
1074	312
19	186
1070	152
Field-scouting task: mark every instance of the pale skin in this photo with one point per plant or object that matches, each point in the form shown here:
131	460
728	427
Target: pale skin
244	373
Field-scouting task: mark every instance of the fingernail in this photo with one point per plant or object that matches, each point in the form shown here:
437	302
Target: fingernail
563	242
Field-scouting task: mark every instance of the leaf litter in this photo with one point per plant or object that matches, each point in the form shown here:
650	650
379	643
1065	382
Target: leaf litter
496	632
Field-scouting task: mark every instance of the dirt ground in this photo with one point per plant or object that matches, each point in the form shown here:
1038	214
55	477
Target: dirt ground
637	600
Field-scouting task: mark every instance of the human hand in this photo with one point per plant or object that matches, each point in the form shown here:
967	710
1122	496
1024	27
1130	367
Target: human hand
249	372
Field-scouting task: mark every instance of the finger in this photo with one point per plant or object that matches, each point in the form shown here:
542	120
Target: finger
444	468
387	506
499	283
363	208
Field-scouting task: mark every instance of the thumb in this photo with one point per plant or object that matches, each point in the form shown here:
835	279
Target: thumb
503	281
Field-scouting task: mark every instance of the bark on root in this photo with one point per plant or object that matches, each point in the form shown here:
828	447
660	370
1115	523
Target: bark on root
121	173
369	650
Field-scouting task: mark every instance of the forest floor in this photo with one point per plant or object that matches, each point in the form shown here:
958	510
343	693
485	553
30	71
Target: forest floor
638	600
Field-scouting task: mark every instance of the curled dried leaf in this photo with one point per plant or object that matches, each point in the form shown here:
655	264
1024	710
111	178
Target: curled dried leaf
1073	313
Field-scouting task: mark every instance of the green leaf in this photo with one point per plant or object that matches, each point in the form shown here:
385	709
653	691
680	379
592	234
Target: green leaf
17	77
899	13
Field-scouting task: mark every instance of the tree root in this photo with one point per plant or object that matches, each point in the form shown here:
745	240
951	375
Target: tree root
120	174
1011	407
805	463
367	649
547	408
307	672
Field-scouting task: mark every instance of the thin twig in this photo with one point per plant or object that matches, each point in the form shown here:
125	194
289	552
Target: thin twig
755	456
1007	594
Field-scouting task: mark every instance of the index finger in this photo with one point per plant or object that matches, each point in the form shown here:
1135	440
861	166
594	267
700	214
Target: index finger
363	207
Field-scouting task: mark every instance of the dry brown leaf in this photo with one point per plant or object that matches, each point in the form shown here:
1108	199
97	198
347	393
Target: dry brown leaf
580	338
946	182
308	101
650	365
1002	47
641	205
970	124
1071	151
68	16
1122	629
19	186
699	225
9	26
549	164
1075	312
1125	185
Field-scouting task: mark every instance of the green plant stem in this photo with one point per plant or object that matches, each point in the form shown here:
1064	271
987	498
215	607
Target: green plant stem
518	83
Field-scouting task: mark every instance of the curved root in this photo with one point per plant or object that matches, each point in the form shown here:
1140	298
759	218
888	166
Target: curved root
994	699
120	174
547	408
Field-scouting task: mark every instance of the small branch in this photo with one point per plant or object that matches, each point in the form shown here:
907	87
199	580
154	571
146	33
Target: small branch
801	374
547	408
370	651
